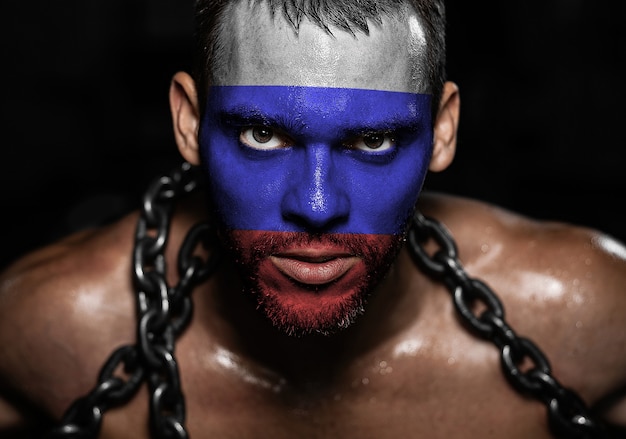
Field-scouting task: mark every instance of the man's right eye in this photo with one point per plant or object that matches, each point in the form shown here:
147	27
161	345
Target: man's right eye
263	138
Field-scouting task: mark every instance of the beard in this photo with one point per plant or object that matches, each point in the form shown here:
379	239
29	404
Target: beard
298	307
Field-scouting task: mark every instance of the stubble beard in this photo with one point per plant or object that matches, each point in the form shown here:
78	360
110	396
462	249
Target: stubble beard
250	252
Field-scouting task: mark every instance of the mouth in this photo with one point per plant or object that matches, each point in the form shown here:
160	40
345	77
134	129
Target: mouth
312	266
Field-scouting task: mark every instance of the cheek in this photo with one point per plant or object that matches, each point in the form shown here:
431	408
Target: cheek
383	197
244	190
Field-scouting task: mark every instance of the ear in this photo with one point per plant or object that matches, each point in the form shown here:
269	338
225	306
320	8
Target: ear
185	116
446	126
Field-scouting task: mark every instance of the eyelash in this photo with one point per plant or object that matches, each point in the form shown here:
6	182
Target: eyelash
384	136
286	141
275	135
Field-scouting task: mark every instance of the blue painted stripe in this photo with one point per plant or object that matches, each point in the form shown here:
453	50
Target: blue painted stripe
318	182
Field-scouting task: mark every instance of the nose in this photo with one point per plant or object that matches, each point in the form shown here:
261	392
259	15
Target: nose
316	200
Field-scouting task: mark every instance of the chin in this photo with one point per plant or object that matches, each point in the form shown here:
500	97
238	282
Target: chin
311	284
301	311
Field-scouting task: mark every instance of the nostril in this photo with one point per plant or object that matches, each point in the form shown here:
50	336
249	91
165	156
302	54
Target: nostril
311	225
316	214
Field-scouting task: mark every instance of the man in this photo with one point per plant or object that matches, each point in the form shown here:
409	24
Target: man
315	133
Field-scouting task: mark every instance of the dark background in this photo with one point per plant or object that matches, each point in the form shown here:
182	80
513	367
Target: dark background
85	121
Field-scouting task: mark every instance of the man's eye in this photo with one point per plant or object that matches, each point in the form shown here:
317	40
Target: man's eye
262	138
377	142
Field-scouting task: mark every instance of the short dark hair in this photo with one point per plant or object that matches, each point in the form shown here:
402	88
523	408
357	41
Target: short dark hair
349	16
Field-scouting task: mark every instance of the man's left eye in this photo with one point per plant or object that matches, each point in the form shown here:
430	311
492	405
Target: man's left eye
263	138
373	142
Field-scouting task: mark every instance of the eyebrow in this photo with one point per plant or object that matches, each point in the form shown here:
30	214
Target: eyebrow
395	124
247	116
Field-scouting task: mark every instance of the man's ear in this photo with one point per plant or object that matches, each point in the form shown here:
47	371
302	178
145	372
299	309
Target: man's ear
185	116
446	126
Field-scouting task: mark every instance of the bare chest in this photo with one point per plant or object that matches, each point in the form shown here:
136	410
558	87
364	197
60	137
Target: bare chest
384	398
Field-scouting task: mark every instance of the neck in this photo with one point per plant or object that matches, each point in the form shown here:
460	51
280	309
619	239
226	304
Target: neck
238	326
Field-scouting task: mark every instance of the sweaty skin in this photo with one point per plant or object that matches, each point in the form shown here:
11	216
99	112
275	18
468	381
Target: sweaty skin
420	375
405	368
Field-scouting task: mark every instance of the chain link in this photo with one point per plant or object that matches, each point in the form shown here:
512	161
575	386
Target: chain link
568	416
163	313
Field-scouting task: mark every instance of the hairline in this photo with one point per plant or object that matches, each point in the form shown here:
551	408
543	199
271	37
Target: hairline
212	49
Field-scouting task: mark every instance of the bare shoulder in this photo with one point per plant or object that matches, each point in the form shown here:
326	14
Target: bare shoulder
65	308
497	242
478	224
61	308
563	286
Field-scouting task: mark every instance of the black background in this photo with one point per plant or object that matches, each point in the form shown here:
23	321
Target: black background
85	123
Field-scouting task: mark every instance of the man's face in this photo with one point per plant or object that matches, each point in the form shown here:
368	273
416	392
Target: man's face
316	147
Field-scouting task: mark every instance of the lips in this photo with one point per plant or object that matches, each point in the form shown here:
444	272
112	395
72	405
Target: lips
312	267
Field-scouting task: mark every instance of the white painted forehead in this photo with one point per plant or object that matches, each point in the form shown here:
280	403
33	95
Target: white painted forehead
259	49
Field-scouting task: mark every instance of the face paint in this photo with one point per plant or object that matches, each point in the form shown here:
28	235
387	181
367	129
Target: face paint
317	180
313	187
306	283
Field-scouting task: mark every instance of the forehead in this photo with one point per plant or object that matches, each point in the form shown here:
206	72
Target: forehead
259	48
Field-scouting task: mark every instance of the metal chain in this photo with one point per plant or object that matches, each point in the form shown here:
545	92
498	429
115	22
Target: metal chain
568	415
163	313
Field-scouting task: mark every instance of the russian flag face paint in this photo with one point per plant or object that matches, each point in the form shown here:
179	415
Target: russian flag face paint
316	146
314	187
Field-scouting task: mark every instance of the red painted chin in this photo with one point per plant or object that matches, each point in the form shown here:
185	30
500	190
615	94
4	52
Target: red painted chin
307	284
310	295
